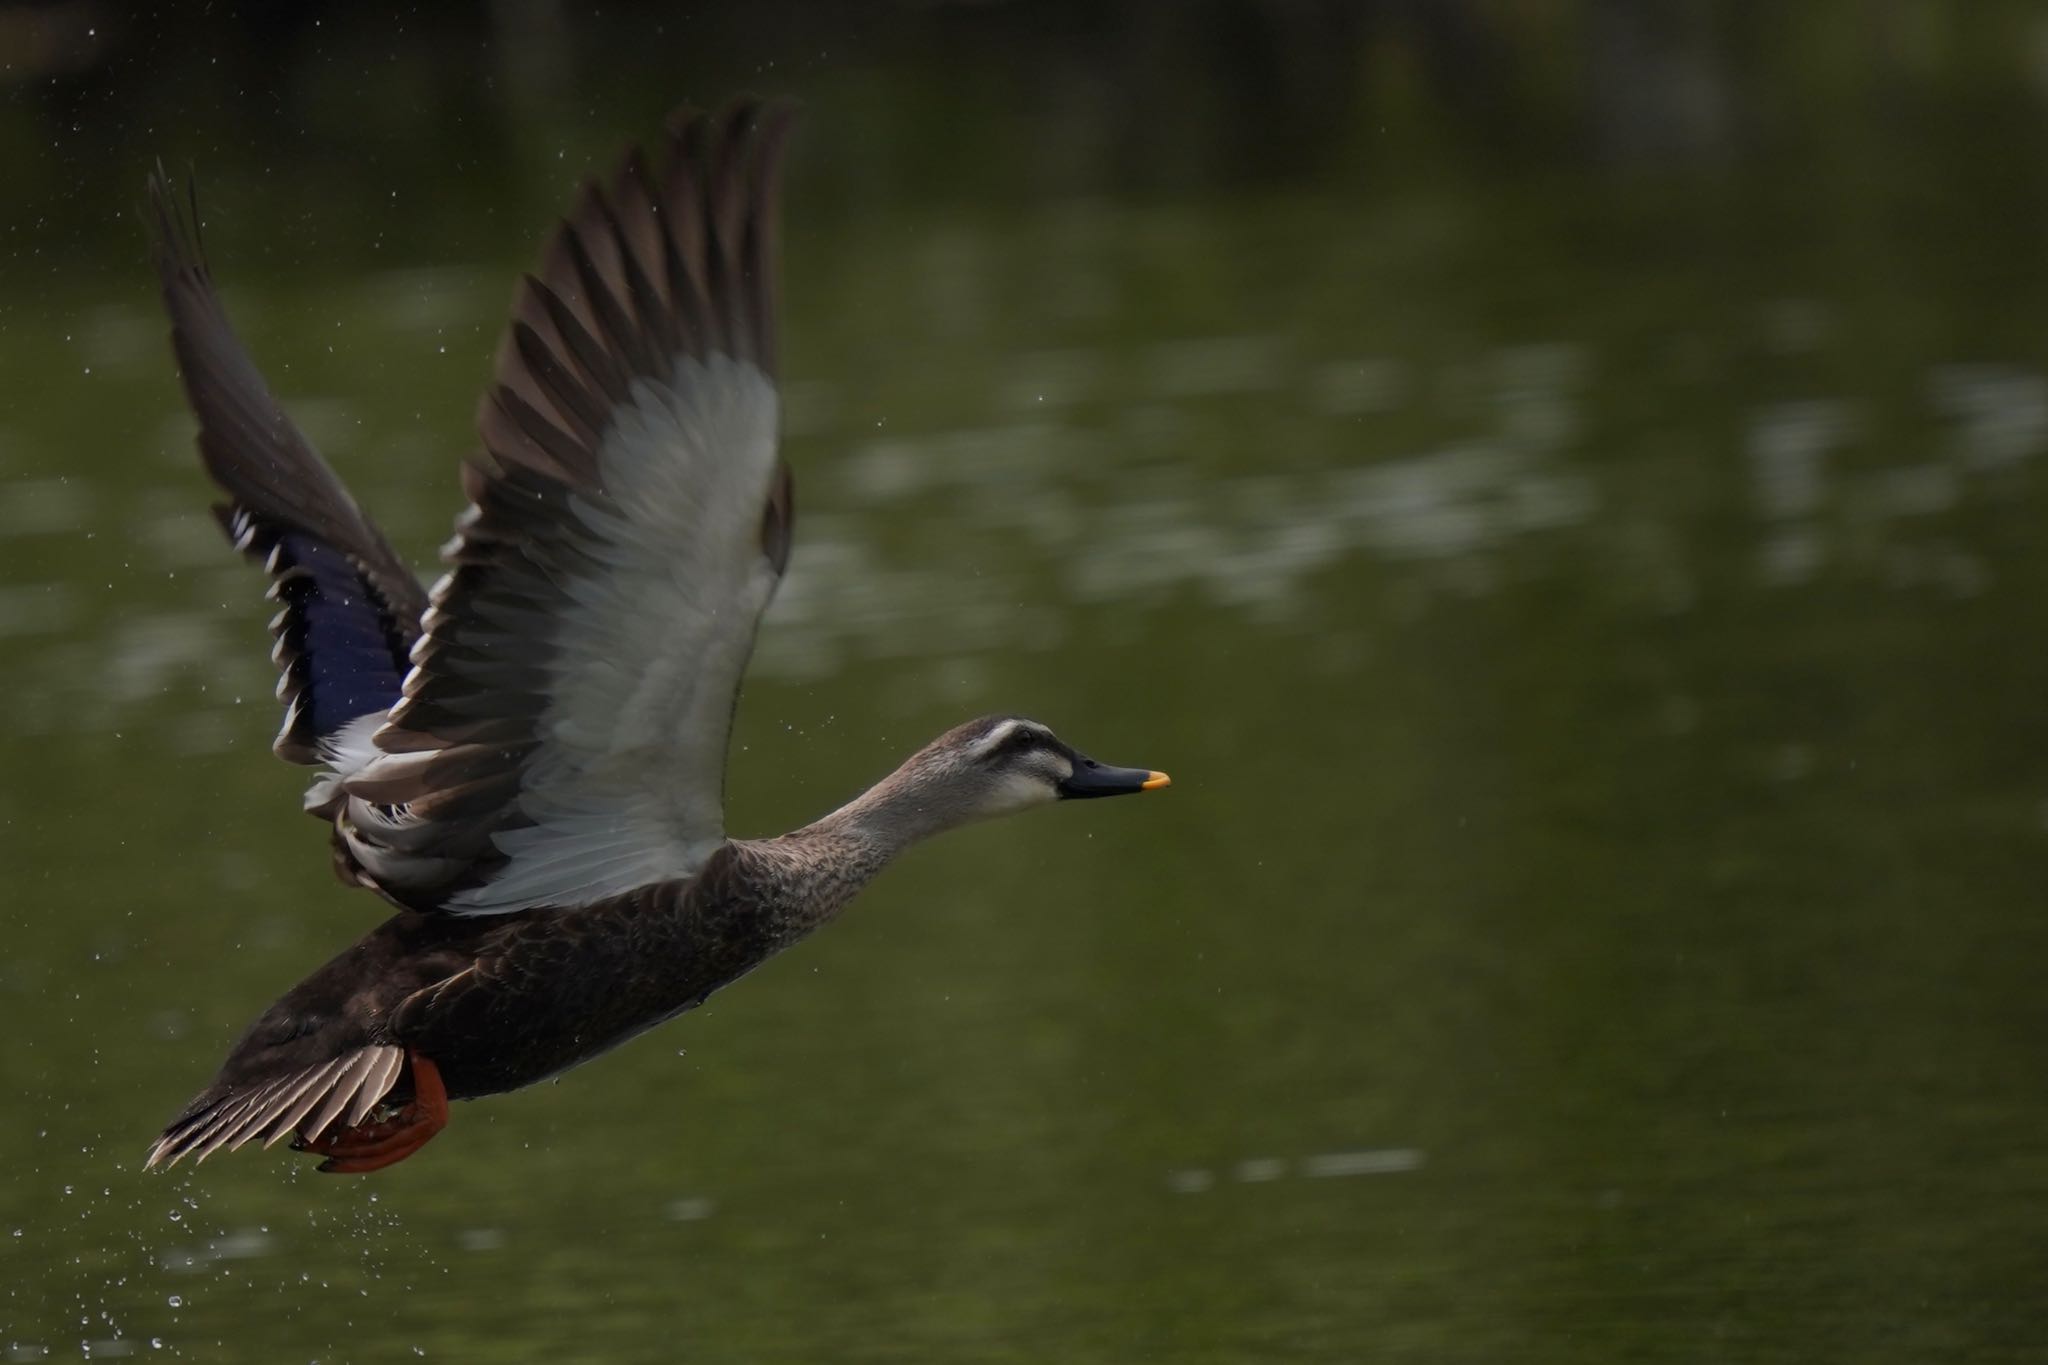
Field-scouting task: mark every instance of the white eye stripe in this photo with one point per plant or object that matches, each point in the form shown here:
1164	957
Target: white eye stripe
1006	731
993	740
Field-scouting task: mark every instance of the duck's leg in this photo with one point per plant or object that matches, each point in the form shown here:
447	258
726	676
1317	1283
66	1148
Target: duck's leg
373	1146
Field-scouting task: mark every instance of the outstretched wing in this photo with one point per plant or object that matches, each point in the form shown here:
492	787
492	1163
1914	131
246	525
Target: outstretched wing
348	608
562	734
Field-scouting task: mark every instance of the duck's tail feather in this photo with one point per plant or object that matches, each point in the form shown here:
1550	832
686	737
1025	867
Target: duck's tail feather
307	1101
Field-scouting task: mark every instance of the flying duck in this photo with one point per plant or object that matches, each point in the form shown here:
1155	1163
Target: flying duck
527	760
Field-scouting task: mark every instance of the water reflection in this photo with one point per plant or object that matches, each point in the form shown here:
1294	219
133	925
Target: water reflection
1040	482
1322	1166
1081	488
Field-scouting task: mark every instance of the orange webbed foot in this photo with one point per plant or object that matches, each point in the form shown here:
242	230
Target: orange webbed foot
373	1146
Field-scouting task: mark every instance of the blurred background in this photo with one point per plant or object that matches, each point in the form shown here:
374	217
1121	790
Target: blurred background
1559	483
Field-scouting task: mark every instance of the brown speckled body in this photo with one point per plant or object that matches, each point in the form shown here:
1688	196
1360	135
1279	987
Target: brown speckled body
500	1002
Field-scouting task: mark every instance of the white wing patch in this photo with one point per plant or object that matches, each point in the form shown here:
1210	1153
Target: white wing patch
346	752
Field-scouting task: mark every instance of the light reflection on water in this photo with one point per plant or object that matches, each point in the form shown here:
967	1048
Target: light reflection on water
1047	481
1056	484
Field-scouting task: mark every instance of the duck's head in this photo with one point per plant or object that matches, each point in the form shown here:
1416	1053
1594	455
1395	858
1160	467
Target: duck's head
975	772
994	766
1009	763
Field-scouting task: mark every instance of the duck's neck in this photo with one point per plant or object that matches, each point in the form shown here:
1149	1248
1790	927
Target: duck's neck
821	867
885	819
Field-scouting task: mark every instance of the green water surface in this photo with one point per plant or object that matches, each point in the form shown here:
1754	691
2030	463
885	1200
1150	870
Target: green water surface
1570	513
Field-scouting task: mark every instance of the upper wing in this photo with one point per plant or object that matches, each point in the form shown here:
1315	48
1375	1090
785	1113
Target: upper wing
562	733
348	607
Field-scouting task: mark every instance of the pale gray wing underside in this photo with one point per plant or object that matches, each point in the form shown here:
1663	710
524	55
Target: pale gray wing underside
562	733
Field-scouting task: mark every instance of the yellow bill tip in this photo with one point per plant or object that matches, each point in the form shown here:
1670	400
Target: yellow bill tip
1155	782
